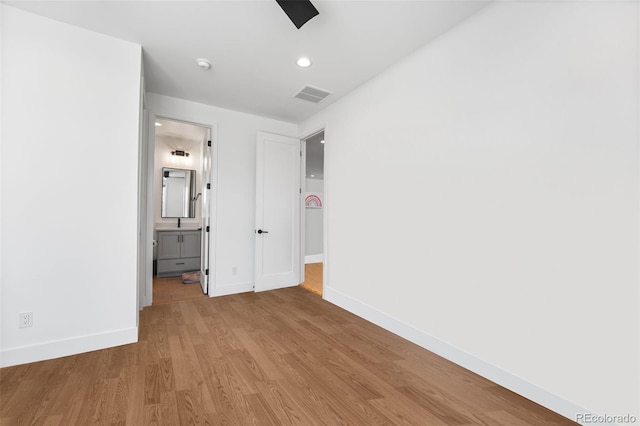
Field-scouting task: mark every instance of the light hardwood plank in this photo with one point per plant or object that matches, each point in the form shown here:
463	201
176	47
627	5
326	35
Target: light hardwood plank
313	278
172	289
284	357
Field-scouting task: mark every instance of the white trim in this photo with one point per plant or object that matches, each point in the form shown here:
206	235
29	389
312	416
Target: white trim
520	386
312	134
225	290
213	207
326	178
325	213
638	129
1	148
303	214
314	258
213	214
207	218
66	347
148	220
145	258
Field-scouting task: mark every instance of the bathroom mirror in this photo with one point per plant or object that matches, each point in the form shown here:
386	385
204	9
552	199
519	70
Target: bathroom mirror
178	192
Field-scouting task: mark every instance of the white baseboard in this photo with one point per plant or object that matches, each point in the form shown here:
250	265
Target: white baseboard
453	354
314	258
66	347
234	288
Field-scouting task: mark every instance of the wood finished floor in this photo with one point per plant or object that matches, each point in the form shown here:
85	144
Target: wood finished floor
274	358
313	278
172	289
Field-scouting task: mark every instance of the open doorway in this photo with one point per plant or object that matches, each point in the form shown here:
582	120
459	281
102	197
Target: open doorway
314	213
180	218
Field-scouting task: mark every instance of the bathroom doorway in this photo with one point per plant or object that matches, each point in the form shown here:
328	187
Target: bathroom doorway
181	178
314	213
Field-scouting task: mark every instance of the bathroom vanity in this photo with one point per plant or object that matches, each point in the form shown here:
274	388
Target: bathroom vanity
178	251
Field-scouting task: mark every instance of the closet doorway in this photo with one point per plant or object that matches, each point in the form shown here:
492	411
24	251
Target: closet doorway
314	213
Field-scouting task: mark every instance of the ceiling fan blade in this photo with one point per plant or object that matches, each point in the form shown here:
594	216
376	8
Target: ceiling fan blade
299	11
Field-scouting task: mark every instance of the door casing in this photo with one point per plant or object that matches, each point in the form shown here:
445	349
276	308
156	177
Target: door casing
147	222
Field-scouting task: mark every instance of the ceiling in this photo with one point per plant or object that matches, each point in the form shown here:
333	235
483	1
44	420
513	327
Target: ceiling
180	135
180	130
253	46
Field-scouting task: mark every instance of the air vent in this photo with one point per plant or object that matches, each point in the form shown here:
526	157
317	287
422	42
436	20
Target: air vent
312	94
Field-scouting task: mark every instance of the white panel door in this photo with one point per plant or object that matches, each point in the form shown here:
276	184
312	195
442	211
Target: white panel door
277	231
205	273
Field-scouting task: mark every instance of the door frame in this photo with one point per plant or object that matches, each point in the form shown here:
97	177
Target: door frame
325	223
147	222
145	256
205	243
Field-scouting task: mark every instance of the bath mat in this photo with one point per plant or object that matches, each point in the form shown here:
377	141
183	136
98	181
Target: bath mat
191	277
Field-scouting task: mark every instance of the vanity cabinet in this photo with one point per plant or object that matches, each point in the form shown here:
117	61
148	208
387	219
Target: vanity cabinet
178	252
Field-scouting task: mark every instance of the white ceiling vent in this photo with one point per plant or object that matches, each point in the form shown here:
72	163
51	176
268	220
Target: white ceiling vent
312	94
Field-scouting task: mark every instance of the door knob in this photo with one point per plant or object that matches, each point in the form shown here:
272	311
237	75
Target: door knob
260	231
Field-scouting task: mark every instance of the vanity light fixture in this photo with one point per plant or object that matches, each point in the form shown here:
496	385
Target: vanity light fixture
303	62
180	153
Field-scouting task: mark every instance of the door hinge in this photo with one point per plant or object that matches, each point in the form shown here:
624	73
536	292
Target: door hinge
208	186
207	228
301	190
206	272
300	153
208	143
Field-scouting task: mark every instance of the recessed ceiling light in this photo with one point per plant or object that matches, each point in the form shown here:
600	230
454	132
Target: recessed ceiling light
304	62
158	124
313	175
322	141
203	63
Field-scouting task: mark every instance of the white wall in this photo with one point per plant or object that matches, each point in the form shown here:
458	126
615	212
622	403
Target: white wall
313	223
501	171
235	182
1	162
70	102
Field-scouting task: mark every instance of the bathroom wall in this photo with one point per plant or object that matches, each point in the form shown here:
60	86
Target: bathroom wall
163	158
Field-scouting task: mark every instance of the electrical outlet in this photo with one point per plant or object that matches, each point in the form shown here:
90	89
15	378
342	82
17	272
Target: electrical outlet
25	319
